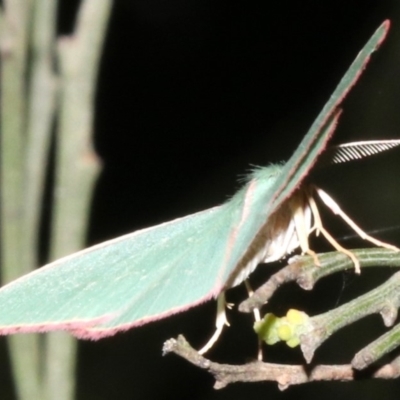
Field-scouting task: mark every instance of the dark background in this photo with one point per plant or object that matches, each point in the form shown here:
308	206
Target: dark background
193	92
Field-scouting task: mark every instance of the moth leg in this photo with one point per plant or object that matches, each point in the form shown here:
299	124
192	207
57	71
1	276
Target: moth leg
220	322
300	216
257	318
250	292
338	211
327	235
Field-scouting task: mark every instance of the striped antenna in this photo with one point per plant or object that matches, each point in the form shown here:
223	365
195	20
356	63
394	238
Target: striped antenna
356	150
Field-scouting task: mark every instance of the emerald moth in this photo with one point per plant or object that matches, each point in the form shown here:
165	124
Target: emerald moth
155	272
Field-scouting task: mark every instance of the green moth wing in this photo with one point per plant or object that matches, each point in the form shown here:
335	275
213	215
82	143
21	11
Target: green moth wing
158	271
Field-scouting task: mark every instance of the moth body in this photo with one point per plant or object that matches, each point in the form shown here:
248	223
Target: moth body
279	236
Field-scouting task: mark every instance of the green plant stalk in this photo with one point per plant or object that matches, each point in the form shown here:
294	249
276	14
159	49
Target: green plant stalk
14	43
76	163
41	108
304	271
77	167
24	354
384	299
377	349
333	262
40	119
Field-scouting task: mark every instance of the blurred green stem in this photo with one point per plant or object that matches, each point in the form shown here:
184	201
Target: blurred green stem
29	109
15	32
40	119
77	168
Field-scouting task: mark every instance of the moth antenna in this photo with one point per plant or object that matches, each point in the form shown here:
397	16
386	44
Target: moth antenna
356	151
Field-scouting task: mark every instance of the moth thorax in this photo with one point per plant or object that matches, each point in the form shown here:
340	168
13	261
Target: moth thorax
283	232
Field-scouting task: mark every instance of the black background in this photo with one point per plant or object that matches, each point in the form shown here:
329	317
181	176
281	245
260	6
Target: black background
191	93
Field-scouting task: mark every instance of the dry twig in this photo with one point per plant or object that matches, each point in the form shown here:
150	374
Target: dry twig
284	375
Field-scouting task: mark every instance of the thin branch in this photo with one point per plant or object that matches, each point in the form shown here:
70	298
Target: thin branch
384	299
377	349
284	375
304	271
